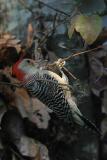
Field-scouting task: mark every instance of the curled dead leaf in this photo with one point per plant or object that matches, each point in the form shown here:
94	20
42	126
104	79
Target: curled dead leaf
8	40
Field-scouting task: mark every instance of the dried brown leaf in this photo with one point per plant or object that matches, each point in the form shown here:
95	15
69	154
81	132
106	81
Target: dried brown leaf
32	107
29	35
8	40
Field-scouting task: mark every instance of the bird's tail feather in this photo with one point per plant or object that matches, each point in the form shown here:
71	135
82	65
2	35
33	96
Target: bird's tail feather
89	125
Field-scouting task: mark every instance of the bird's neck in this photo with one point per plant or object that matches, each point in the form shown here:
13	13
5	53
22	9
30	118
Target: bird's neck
20	75
31	72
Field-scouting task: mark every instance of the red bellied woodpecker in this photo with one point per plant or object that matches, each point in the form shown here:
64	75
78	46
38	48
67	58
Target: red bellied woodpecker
45	85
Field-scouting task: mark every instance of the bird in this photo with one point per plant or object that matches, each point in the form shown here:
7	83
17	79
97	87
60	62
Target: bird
45	85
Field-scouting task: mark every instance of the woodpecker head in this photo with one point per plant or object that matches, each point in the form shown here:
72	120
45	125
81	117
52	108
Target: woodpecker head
22	68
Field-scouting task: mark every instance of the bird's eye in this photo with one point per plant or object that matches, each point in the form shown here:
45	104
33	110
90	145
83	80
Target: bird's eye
28	61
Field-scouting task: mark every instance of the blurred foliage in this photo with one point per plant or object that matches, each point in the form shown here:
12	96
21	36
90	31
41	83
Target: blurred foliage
16	15
13	17
90	6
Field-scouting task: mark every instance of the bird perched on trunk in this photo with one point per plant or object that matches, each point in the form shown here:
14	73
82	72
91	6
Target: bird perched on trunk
46	86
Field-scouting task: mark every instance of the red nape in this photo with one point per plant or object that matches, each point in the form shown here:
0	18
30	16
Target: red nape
17	72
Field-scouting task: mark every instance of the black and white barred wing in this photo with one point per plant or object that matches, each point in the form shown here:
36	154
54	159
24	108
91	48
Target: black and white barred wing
47	90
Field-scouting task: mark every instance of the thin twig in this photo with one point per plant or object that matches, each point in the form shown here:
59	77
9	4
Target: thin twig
45	37
11	84
57	10
17	154
50	32
74	55
80	53
54	24
47	5
56	64
69	73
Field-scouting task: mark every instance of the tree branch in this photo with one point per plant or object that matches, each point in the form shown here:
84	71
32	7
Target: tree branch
57	10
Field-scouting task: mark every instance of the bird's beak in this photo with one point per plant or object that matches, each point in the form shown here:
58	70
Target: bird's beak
32	62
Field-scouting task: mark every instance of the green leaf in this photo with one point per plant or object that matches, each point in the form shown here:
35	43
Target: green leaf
89	27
